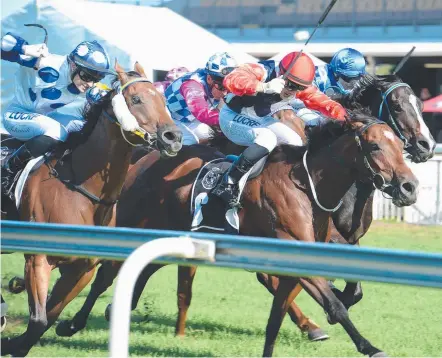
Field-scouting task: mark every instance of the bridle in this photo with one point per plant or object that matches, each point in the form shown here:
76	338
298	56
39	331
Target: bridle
147	137
376	178
390	119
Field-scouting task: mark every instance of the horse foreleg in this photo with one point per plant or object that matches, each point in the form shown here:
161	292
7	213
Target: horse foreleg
186	274
284	295
319	289
145	275
37	274
305	324
74	277
104	279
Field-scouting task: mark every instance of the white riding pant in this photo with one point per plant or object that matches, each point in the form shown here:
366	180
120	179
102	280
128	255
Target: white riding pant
24	124
267	131
194	132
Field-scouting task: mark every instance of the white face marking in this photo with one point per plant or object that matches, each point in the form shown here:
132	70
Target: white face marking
423	127
389	135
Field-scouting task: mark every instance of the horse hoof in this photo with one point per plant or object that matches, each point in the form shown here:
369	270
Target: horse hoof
107	313
3	324
65	329
317	334
16	285
380	354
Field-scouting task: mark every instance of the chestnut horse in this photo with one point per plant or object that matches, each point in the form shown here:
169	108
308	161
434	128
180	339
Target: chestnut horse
278	203
385	96
83	187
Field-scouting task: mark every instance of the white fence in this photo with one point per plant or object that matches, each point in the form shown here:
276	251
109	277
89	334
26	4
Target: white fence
428	208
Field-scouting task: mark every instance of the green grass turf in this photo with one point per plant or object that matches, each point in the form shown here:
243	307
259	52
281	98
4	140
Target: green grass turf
230	309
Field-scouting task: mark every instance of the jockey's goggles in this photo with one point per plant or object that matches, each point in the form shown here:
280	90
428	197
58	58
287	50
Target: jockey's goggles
90	77
292	86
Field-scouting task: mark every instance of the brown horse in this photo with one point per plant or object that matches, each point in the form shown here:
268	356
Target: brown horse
278	203
83	188
352	219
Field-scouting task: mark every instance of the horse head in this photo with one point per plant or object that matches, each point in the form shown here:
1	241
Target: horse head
380	160
141	111
395	103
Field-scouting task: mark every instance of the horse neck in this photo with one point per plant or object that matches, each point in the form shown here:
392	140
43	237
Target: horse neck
332	170
101	163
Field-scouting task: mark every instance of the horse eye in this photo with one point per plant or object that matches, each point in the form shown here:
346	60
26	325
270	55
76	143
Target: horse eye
136	100
397	107
374	147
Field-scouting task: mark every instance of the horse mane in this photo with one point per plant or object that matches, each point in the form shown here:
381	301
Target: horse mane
321	136
91	113
365	86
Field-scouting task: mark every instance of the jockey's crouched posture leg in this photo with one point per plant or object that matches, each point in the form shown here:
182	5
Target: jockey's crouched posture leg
261	136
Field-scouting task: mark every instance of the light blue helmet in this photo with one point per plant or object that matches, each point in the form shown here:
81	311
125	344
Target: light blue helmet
91	57
348	62
220	64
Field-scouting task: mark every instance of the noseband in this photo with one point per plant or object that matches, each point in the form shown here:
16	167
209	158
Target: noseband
391	120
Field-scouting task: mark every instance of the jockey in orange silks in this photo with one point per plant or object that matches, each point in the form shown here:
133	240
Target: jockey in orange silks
257	91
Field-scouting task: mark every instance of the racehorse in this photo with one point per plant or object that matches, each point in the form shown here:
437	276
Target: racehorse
83	187
278	203
385	96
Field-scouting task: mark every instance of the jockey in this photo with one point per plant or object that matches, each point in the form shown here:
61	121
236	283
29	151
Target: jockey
171	76
195	98
257	92
49	100
336	79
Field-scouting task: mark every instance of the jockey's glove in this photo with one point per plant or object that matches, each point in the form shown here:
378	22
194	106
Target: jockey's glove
274	86
35	50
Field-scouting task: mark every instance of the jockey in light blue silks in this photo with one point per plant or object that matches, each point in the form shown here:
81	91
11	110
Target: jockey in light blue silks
335	79
48	100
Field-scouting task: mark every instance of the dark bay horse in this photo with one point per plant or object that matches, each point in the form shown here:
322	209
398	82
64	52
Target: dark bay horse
83	188
385	96
278	203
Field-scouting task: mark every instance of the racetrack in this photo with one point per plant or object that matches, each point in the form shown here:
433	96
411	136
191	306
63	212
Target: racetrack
230	309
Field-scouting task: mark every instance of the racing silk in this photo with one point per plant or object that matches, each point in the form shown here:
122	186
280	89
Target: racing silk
161	86
244	99
45	90
189	98
327	83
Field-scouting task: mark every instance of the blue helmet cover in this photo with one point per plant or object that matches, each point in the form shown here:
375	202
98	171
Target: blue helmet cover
348	62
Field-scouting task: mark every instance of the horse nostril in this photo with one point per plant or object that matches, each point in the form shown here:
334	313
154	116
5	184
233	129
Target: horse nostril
424	145
169	136
407	188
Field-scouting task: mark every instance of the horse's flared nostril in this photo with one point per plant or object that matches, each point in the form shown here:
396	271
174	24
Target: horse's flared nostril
423	144
408	188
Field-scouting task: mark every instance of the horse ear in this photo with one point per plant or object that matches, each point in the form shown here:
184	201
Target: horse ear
138	68
122	76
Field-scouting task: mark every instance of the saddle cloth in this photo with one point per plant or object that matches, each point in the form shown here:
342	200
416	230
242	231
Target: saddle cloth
210	213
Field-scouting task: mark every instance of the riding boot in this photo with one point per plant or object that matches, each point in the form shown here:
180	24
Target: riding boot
33	148
227	189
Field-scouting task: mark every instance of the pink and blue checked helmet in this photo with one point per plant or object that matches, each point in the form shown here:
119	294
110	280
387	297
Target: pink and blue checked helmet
176	73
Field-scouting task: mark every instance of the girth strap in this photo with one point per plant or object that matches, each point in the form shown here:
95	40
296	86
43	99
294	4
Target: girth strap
90	196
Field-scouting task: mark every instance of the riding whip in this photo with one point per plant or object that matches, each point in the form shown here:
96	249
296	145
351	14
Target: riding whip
403	61
321	20
37	63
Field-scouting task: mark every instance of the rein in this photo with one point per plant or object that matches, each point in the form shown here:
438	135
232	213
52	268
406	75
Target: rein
380	185
391	119
140	132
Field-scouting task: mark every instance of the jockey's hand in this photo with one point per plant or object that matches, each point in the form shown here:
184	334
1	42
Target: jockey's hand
274	86
339	113
36	50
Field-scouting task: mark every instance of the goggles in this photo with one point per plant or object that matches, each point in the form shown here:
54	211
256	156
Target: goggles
89	77
292	86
